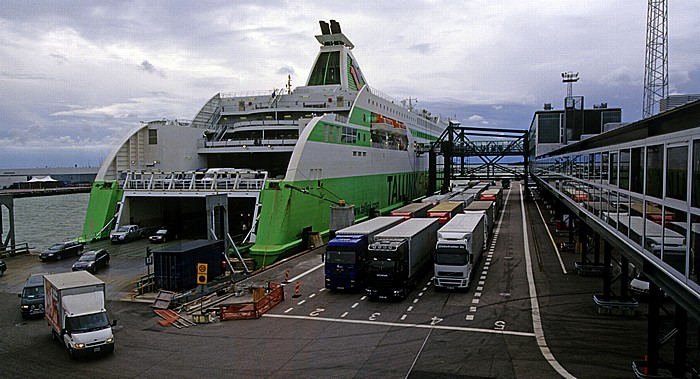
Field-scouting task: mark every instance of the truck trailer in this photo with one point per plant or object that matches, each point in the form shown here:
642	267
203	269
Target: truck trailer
458	250
398	256
74	306
446	210
412	210
345	254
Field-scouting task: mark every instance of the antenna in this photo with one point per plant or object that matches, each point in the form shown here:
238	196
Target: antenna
656	61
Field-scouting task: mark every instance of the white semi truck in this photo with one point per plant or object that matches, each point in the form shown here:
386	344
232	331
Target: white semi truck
74	306
458	250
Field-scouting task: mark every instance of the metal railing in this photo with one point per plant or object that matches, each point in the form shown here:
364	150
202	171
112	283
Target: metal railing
220	180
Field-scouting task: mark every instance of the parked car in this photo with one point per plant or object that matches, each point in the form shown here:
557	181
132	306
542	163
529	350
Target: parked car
3	267
61	250
162	235
31	301
92	261
126	233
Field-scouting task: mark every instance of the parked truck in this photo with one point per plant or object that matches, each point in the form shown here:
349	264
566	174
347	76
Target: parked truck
412	210
74	306
345	254
458	250
446	210
398	256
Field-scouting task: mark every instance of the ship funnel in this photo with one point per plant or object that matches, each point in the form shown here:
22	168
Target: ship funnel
335	27
325	29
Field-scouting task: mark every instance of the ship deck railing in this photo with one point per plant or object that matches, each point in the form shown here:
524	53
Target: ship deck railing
238	180
249	142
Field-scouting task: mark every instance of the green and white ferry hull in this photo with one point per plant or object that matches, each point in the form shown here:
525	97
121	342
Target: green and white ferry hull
334	139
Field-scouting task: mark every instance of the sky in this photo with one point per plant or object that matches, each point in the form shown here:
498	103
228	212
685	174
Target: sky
76	77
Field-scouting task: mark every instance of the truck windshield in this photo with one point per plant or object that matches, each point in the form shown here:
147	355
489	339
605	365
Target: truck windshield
450	257
379	266
87	323
340	257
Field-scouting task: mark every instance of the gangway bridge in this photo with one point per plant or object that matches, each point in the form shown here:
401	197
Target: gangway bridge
632	200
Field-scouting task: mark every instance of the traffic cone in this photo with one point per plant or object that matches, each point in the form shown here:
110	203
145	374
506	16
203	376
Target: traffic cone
286	277
296	290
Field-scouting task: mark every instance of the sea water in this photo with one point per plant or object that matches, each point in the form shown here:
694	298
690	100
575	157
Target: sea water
44	220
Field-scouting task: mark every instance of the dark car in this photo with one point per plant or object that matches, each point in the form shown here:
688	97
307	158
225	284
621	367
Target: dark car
162	235
3	267
31	301
92	261
61	250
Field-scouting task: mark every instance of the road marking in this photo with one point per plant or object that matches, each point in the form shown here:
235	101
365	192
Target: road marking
482	277
410	308
430	281
322	289
475	301
301	302
425	288
485	272
343	315
312	295
294	279
561	263
479	288
288	310
420	294
477	294
481	282
536	320
395	324
469	317
415	301
355	305
363	298
472	309
403	317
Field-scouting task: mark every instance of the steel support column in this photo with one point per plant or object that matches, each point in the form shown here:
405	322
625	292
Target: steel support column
653	329
680	345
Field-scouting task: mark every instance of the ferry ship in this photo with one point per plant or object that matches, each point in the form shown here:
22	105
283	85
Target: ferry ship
281	157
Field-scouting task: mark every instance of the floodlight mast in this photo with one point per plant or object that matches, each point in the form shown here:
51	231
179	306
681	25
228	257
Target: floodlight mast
569	78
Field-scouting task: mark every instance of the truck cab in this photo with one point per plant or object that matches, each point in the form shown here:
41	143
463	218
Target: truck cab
344	259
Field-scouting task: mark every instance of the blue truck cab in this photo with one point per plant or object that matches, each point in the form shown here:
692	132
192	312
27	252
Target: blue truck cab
346	253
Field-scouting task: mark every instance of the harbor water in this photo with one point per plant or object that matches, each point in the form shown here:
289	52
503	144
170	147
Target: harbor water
44	220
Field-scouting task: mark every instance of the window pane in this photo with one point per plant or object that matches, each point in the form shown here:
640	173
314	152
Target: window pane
674	252
604	168
637	171
613	168
624	169
677	172
636	218
694	248
655	166
695	199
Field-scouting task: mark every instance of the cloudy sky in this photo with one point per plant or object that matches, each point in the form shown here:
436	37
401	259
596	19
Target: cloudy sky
76	76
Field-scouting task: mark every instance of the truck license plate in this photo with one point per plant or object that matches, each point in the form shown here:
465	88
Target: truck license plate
96	349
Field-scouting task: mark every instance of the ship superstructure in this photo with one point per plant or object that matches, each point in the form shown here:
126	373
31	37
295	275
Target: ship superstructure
282	158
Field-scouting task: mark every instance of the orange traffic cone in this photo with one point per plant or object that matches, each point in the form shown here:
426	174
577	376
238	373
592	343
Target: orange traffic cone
286	277
296	290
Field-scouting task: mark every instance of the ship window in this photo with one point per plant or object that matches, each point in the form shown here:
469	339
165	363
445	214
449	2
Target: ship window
625	169
637	170
695	198
152	136
327	69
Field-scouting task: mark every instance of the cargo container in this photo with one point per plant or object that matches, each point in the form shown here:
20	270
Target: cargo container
175	267
412	210
398	256
458	250
445	211
345	254
488	207
74	306
495	195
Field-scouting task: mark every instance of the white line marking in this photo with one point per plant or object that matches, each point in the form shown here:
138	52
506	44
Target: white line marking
415	301
484	272
472	309
475	301
312	295
301	302
343	315
561	263
425	288
355	305
322	289
288	310
536	320
483	277
363	298
469	317
394	324
403	317
420	294
479	288
430	281
410	308
477	294
294	279
481	282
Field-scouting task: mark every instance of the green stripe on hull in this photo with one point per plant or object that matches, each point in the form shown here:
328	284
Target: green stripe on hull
104	196
287	209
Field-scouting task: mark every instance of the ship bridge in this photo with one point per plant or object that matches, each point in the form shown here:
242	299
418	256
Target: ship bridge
181	200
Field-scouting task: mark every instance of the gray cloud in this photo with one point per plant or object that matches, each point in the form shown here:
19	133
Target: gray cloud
151	69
